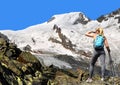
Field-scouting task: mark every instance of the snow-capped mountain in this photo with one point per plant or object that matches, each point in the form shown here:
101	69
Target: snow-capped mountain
39	36
63	34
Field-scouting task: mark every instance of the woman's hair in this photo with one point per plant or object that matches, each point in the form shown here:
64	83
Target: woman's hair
100	31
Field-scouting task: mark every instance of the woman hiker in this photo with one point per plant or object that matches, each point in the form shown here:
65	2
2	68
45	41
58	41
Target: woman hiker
99	41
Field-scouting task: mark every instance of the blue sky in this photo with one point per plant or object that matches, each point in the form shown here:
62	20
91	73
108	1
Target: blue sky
19	14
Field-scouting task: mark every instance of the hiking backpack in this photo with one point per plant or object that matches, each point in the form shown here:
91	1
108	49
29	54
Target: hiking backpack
99	42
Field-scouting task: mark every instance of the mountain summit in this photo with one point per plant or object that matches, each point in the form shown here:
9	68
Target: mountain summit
70	18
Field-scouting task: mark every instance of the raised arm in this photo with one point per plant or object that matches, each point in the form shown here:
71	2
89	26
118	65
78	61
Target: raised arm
90	34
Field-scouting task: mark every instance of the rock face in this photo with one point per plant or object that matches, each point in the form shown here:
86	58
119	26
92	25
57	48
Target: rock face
114	14
21	68
64	41
4	36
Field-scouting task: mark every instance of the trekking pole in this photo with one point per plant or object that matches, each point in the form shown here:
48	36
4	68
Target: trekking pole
111	68
111	65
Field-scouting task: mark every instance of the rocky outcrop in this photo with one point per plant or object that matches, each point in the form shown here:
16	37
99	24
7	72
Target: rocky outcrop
115	14
21	68
65	42
51	19
27	48
4	36
81	20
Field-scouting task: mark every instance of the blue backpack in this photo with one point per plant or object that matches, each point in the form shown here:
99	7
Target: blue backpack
99	42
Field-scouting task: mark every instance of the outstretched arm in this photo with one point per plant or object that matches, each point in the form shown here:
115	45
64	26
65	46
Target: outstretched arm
90	34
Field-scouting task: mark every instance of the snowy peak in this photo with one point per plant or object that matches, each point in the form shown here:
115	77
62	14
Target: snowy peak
111	19
69	18
115	14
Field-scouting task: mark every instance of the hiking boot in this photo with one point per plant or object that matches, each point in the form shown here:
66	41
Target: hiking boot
89	80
